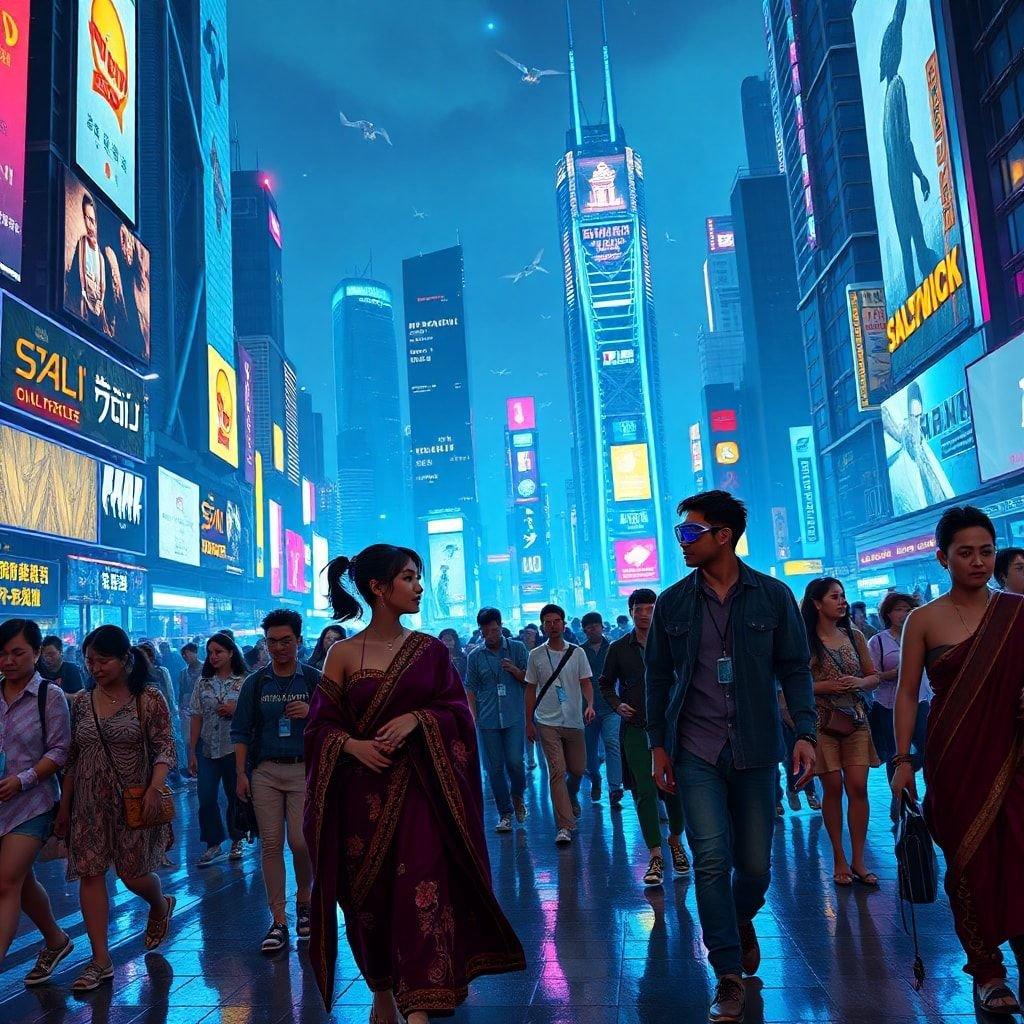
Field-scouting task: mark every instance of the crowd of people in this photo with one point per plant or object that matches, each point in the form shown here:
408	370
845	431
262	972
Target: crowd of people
710	704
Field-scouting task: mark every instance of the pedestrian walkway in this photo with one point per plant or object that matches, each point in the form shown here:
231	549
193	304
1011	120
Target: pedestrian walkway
600	949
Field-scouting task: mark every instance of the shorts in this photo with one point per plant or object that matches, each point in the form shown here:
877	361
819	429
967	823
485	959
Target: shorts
854	751
40	827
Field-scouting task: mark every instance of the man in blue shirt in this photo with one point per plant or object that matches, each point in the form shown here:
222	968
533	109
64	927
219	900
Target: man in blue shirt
605	727
495	675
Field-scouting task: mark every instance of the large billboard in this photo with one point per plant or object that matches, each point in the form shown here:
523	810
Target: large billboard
631	473
55	377
222	395
106	271
321	557
520	413
996	385
602	185
872	361
525	482
929	435
122	508
927	262
14	25
276	517
28	585
246	375
531	526
636	561
220	533
106	100
446	558
178	511
439	409
295	562
98	582
808	491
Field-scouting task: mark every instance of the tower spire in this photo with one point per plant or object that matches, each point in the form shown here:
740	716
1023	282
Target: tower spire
574	89
608	88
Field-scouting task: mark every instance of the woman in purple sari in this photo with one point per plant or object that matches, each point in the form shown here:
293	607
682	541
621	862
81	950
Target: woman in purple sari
394	807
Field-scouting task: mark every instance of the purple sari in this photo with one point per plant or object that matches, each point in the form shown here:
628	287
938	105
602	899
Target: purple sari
403	852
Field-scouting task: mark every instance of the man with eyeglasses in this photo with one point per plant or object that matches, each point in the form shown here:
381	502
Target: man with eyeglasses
267	733
719	640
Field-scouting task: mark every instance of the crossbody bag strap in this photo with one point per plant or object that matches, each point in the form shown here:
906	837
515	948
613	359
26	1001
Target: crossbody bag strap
558	671
103	743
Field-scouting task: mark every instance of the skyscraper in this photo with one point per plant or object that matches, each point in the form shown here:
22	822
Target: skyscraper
611	348
758	125
720	347
256	265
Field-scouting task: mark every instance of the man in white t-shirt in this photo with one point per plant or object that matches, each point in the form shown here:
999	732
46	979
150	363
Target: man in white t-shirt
560	715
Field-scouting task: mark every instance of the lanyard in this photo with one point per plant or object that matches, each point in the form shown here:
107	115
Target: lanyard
488	654
553	665
722	635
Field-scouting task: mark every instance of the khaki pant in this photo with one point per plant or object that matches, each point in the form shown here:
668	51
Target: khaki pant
565	750
278	793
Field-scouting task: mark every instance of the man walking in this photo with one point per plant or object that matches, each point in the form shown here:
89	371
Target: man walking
495	678
558	681
604	729
719	640
53	666
269	721
623	687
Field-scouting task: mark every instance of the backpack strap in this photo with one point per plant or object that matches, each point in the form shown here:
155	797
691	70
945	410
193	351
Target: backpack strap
41	698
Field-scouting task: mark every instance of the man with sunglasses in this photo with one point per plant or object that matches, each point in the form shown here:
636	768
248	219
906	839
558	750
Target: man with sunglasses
719	640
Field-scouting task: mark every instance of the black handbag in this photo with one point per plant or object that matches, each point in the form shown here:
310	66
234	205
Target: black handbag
917	870
243	820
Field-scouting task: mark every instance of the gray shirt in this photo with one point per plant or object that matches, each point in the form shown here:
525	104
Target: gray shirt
709	710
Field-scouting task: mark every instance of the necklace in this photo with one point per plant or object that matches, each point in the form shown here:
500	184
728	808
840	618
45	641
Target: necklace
390	644
959	614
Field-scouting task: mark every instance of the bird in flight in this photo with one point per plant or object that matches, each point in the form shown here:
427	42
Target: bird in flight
669	238
529	270
371	132
418	214
542	373
531	76
503	372
546	405
545	316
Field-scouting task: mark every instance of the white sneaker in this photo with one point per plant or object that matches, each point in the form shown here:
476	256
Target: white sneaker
505	825
563	837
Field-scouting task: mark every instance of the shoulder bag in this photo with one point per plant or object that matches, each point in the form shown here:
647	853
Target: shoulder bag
917	869
558	671
131	796
833	720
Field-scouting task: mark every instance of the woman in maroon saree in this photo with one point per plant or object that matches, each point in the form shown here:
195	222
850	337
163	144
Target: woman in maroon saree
394	807
971	641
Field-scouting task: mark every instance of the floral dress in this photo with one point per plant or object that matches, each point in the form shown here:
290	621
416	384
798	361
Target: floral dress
99	836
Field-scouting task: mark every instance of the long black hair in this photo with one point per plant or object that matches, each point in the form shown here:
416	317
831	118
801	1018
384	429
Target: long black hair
319	655
380	562
112	642
26	628
237	661
816	591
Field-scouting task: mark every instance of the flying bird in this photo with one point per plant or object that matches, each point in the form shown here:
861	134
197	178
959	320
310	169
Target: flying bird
418	214
531	76
371	132
669	238
542	373
545	316
503	372
529	270
546	405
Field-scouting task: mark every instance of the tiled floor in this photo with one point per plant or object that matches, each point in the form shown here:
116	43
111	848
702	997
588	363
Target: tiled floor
600	949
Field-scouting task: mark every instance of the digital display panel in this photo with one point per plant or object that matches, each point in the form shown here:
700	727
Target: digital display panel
520	414
28	585
247	398
320	560
607	245
220	533
631	473
295	561
996	385
122	507
14	31
276	517
222	393
636	561
696	449
721	237
447	567
525	480
274	226
602	185
178	512
90	579
872	361
106	100
808	491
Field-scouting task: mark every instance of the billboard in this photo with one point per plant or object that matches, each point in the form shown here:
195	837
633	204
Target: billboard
220	316
631	473
98	582
929	435
872	361
55	377
808	491
220	533
721	236
927	262
276	517
222	392
106	100
446	553
696	449
291	421
295	562
246	380
106	271
525	481
14	26
636	561
261	544
28	584
607	245
602	185
520	414
274	226
996	386
178	512
320	559
122	507
46	488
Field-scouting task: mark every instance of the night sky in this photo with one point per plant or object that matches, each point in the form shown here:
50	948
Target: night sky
476	150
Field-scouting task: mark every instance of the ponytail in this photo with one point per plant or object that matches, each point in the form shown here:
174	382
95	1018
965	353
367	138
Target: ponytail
112	642
380	562
344	607
138	669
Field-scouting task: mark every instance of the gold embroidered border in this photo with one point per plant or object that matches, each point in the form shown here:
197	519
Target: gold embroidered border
328	762
383	835
415	644
449	998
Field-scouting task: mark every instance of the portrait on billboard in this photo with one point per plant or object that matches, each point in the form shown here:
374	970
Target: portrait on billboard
996	386
106	271
447	560
223	407
14	31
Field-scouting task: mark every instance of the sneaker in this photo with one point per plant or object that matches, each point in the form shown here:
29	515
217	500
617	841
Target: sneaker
595	790
47	961
563	837
276	939
728	1003
211	856
505	824
616	798
236	850
794	800
92	977
302	925
750	949
655	870
522	811
575	804
680	862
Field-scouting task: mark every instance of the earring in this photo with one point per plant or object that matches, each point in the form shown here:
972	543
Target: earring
129	665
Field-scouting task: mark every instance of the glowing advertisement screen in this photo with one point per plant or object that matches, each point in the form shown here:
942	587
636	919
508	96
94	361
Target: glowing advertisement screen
602	185
320	560
631	473
220	533
996	386
607	245
531	523
915	157
247	398
520	414
929	435
276	517
28	583
222	392
808	491
106	271
295	562
872	361
525	481
122	508
213	17
636	561
447	568
14	25
106	101
178	513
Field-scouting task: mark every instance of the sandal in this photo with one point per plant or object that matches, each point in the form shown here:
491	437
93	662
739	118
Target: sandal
868	878
987	997
156	931
843	878
92	977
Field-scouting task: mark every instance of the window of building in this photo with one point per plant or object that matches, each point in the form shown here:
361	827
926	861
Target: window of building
1011	167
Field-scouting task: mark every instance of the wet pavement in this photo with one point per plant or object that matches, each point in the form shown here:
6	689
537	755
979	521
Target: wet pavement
600	949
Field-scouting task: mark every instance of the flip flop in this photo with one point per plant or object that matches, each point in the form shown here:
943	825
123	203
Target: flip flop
840	875
868	878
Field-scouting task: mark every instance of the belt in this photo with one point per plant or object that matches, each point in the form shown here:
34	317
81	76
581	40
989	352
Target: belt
285	760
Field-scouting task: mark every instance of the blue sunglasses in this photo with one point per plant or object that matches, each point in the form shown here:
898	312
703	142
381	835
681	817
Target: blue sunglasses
689	533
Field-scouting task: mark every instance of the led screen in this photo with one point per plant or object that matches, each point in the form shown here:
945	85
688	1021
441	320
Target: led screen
222	393
808	491
122	507
996	385
14	26
636	560
631	474
295	559
447	564
602	185
276	517
178	511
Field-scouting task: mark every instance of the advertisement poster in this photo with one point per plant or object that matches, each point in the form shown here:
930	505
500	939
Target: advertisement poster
996	385
532	549
178	511
927	262
929	435
636	561
295	562
28	584
525	482
872	362
14	26
607	245
220	532
721	235
631	474
261	543
808	491
46	488
222	389
520	414
276	517
447	562
106	271
58	378
320	560
246	380
602	185
114	583
106	100
291	421
122	509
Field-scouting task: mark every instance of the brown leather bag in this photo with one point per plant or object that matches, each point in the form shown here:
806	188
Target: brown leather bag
838	722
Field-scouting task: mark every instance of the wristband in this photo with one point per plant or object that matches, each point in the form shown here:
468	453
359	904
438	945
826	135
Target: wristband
808	737
28	779
900	759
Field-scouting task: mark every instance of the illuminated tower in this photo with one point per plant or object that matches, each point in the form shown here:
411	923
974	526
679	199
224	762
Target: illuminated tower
611	345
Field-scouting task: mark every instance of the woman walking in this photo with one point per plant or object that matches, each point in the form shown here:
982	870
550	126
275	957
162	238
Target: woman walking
451	640
160	677
329	636
211	754
843	675
35	733
120	738
394	807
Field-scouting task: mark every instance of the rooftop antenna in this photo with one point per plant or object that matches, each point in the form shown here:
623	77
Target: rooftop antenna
574	89
609	91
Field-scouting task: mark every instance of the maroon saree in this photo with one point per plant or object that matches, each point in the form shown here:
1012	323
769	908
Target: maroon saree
973	766
403	852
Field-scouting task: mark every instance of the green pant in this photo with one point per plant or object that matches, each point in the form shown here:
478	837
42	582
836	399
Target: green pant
645	792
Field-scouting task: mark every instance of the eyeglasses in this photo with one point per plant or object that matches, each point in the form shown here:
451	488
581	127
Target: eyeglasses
285	641
690	533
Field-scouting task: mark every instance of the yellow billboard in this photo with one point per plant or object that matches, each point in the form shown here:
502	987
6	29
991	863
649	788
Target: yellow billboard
804	567
261	549
278	437
223	407
631	472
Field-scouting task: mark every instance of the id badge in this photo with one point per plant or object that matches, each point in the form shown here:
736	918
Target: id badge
725	671
284	728
501	689
561	694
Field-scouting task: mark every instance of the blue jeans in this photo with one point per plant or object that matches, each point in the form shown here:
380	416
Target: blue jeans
730	821
604	728
503	756
214	774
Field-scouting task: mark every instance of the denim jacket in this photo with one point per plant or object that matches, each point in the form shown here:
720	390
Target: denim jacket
769	644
